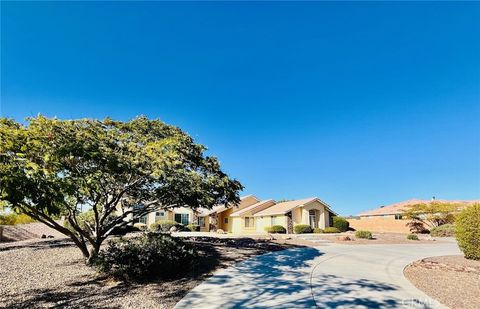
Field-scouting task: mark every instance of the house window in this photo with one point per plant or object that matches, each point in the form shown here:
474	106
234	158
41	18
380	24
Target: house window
312	218
159	215
201	221
273	220
142	219
225	220
249	222
398	217
182	218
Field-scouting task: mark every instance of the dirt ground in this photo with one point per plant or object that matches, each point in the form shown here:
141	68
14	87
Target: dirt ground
452	280
51	273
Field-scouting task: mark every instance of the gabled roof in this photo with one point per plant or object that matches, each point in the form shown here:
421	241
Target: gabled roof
252	209
398	208
244	202
285	207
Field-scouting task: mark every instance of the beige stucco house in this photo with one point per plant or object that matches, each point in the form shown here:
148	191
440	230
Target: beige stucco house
250	215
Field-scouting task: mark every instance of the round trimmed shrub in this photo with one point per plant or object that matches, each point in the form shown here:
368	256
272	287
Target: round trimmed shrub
317	230
164	225
331	230
123	230
151	255
278	229
467	231
412	237
446	230
302	229
341	224
364	234
193	227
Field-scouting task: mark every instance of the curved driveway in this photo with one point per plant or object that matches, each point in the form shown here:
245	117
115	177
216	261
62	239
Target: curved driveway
329	276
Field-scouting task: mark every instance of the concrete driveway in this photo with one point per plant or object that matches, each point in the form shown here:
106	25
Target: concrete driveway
329	276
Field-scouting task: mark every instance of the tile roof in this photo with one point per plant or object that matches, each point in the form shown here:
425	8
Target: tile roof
398	208
284	207
253	207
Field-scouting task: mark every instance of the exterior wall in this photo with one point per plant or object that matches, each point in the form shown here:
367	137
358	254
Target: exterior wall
226	227
206	228
380	224
238	226
300	215
263	222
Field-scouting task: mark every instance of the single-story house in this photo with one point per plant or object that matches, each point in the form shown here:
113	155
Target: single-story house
250	215
390	218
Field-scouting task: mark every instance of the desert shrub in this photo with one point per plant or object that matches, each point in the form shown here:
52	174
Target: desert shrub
364	234
446	230
123	230
341	224
164	225
13	218
318	230
412	237
140	226
302	229
193	227
276	229
467	231
331	229
151	255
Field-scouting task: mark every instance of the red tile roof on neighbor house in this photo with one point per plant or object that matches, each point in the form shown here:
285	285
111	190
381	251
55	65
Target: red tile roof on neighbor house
398	208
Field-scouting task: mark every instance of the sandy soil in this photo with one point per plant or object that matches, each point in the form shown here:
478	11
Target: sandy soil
452	280
51	273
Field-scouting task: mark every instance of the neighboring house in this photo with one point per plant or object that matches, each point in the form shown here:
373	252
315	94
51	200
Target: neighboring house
250	215
390	218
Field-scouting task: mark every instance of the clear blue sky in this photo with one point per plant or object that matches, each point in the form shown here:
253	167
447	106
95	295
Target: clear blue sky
360	104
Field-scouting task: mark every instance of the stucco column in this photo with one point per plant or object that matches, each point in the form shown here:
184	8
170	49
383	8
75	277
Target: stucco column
289	223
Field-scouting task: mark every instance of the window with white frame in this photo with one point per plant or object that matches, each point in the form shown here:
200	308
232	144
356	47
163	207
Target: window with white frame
159	215
273	220
201	221
249	223
182	218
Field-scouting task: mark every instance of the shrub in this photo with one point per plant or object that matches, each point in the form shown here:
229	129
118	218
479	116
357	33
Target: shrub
123	230
317	230
148	256
446	230
331	229
364	234
193	227
412	237
341	224
302	229
467	231
276	229
164	225
13	218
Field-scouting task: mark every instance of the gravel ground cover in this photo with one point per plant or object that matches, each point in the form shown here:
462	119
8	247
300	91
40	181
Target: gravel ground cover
380	238
52	274
452	280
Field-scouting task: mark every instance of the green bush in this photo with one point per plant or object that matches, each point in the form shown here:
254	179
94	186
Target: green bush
148	256
13	218
317	230
123	230
467	231
193	227
341	224
331	229
364	234
278	229
446	230
165	225
302	229
412	237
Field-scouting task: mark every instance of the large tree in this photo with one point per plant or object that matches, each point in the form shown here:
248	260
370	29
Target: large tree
53	167
429	215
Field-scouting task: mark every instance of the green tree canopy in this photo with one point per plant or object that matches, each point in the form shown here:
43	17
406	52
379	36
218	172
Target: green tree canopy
430	215
54	167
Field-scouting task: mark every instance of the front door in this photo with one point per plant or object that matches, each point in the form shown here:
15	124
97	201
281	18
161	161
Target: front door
312	218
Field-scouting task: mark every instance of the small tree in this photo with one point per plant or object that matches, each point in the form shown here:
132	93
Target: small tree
341	223
429	215
467	231
119	170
